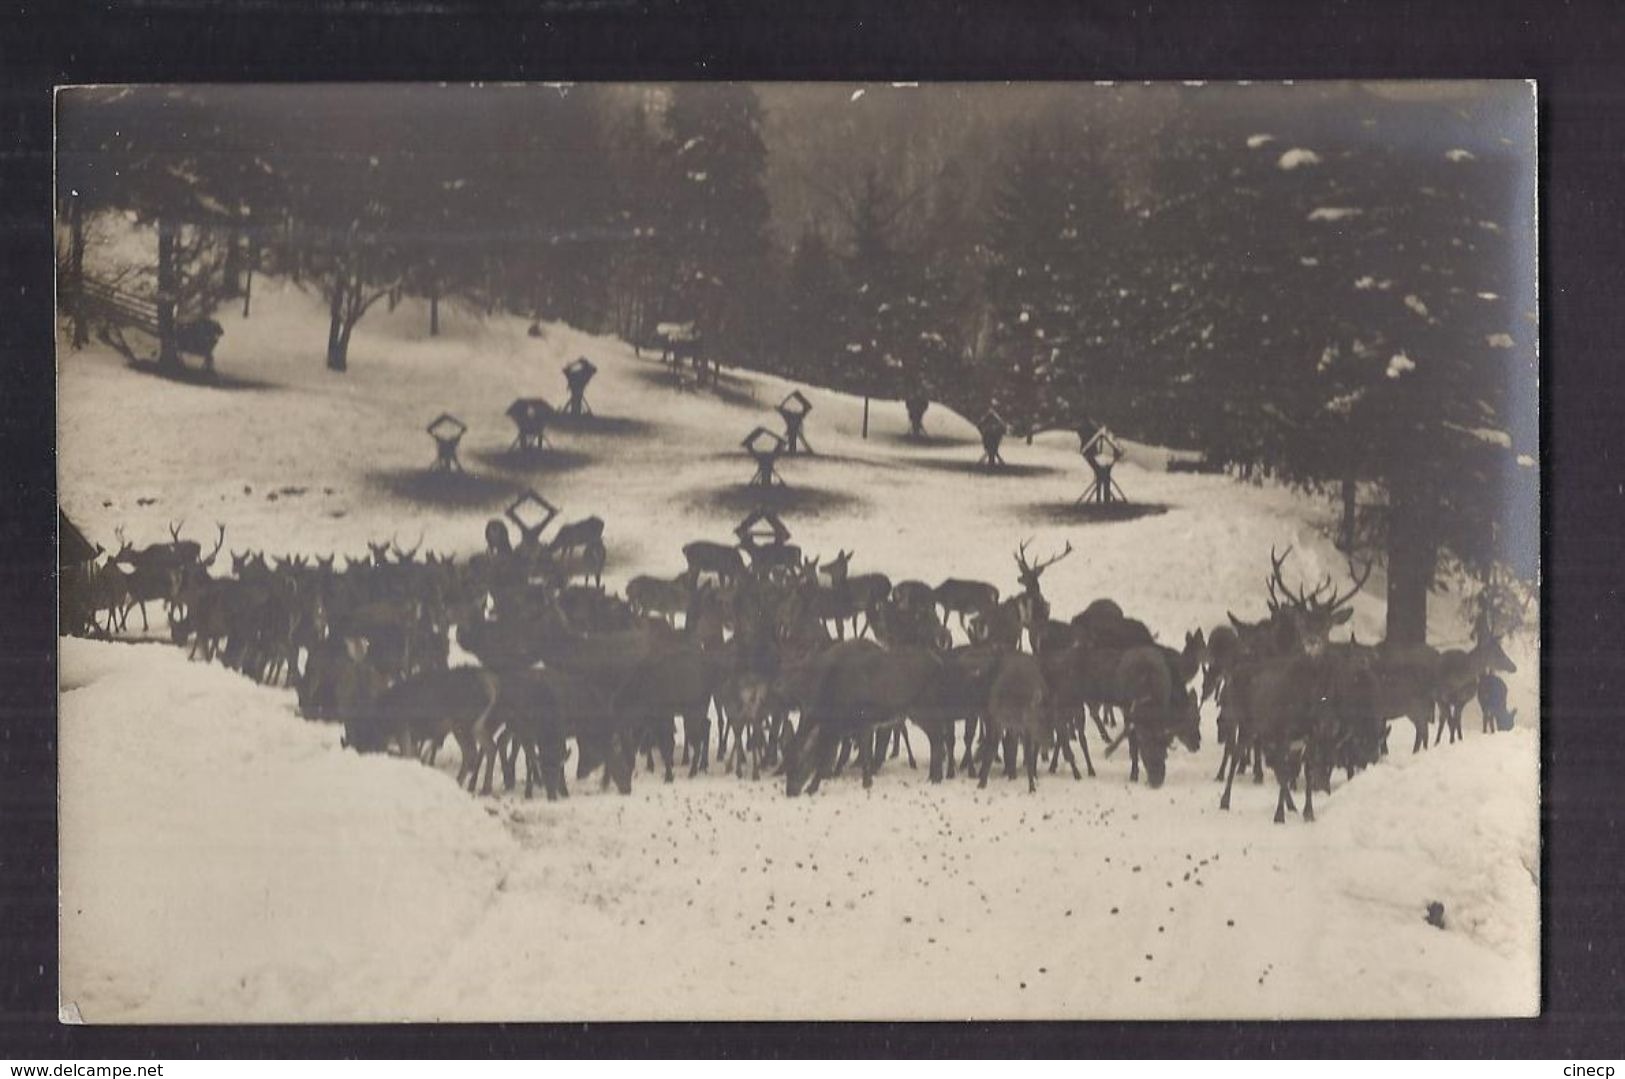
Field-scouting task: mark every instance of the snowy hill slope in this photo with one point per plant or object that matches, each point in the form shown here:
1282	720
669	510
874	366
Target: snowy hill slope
227	861
141	452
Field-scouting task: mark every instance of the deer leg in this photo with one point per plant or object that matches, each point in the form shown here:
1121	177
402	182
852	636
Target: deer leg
986	761
1065	745
968	765
822	750
908	749
1230	778
1133	753
1083	743
468	768
1012	747
1308	788
1032	763
666	739
845	757
1281	801
867	755
509	748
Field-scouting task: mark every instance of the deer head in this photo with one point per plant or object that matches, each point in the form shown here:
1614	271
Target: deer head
405	557
380	552
1029	573
124	545
1311	615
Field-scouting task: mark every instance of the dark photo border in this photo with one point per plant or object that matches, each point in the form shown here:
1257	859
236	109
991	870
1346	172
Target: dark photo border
1572	50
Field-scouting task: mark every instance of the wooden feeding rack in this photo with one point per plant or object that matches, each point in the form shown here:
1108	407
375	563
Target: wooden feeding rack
765	448
531	514
1102	451
794	409
992	428
762	530
447	431
577	373
530	416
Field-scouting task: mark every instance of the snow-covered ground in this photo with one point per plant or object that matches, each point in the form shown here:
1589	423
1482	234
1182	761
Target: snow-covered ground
223	859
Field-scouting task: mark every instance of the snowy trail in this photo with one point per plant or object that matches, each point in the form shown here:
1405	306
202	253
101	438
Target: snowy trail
226	860
267	874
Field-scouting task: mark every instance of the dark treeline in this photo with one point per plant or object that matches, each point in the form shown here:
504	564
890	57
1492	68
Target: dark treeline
1329	284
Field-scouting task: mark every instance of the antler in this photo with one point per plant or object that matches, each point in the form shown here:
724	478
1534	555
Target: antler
219	543
1021	558
1274	579
406	556
1047	563
1359	583
175	529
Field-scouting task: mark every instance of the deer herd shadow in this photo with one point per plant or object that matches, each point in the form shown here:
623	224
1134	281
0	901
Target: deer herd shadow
1085	513
926	441
970	466
447	490
742	499
611	426
530	462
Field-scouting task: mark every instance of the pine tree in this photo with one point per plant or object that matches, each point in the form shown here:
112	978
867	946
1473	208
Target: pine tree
1032	291
716	207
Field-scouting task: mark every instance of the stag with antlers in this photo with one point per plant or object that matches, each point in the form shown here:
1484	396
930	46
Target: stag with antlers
1032	605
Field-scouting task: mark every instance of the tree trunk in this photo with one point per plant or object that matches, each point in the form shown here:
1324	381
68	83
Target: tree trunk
1412	559
434	311
76	271
232	271
167	356
337	345
866	417
248	288
1345	533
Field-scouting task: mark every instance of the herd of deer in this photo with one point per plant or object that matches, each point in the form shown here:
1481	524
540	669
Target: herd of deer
767	636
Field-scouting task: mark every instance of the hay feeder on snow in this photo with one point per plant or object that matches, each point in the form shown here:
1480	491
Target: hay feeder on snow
531	514
530	416
577	373
794	409
447	431
1102	451
765	449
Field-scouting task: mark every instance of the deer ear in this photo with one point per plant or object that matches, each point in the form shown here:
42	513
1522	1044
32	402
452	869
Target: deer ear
1342	616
